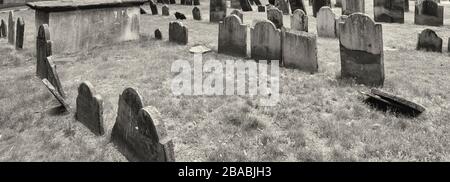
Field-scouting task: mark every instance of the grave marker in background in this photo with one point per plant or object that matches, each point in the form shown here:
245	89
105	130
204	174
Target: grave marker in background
20	32
428	40
300	50
299	21
90	108
233	36
178	33
265	41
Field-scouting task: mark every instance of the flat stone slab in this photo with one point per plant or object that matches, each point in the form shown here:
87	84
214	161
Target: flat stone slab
387	101
69	5
199	49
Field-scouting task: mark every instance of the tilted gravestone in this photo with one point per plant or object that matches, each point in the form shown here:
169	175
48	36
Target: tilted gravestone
297	4
300	50
165	10
361	49
217	10
317	4
233	36
429	41
56	94
90	108
52	75
299	21
158	34
178	33
326	20
238	13
153	7
20	31
283	5
428	12
265	41
3	29
275	16
245	5
196	13
353	6
139	133
196	2
11	28
390	11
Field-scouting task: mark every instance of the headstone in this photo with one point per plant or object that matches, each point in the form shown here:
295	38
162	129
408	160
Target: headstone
353	6
161	1
261	9
153	7
275	16
158	34
180	16
299	21
429	41
165	10
448	45
3	29
265	41
196	2
272	2
283	5
182	2
196	13
297	4
217	10
326	20
52	75
233	36
361	49
11	28
428	12
238	13
245	5
56	94
43	50
389	11
199	49
139	133
20	31
300	50
90	108
236	4
178	33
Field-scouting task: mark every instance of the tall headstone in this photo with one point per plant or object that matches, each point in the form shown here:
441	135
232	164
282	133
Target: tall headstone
20	32
158	34
3	29
90	108
196	13
389	11
299	21
353	6
217	10
361	49
326	20
317	4
275	16
165	10
297	4
233	36
428	12
172	2
153	7
178	33
43	50
283	5
11	28
265	41
429	41
245	5
300	50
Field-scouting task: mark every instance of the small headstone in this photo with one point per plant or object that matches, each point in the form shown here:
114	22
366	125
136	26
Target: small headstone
275	16
238	13
158	34
245	5
265	41
3	29
196	2
178	33
283	5
20	30
11	28
299	21
196	13
90	108
317	4
342	19
56	94
389	11
261	9
153	7
180	16
297	4
353	6
165	10
217	10
429	13
182	2
429	41
395	104
326	20
300	50
233	36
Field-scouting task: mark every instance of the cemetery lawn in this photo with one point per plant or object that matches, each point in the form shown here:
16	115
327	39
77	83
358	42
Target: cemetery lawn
319	117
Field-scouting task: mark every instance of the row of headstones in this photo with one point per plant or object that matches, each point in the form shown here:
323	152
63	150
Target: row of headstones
166	12
139	132
182	2
14	31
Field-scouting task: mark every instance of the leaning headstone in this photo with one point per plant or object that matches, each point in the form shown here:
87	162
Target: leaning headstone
196	13
43	50
317	4
158	34
20	30
353	6
153	7
393	103
257	2
428	12
297	4
196	2
261	9
275	16
299	21
326	20
265	41
178	33
11	28
428	40
3	29
90	108
283	5
217	10
52	75
233	36
361	49
56	94
389	11
165	10
300	50
139	133
238	13
245	5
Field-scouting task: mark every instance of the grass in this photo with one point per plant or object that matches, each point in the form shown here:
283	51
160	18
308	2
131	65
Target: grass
318	118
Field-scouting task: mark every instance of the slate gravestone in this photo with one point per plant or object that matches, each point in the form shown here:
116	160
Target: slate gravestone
165	10
139	133
283	5
217	10
233	36
56	94
166	1
265	41
238	13
158	34
261	9
353	6
11	28
429	41
3	29
153	7
20	31
428	12
178	33
297	4
43	50
90	108
299	21
361	49
326	20
196	2
275	16
161	1
300	50
180	16
389	11
196	13
245	5
317	4
272	2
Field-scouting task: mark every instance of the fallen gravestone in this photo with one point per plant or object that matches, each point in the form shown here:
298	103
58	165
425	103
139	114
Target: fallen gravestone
238	13
180	16
299	20
158	34
265	41
326	20
390	11
178	33
90	108
297	4
317	4
428	40
172	2
165	10
217	10
3	29
56	94
275	16
20	30
353	6
300	50
11	28
233	36
139	133
143	11
245	5
52	75
199	49
196	13
361	49
390	102
429	13
153	7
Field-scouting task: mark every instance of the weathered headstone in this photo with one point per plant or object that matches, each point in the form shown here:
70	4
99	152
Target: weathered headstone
233	36
238	13
196	2
56	94
43	50
283	5
353	6
326	20
182	2
245	5
361	49
158	34
390	11
20	32
3	29
428	12
153	7
165	10
90	108
11	28
317	4
265	41
275	16
178	33
217	10
297	4
261	9
196	13
139	133
52	75
300	50
428	40
299	20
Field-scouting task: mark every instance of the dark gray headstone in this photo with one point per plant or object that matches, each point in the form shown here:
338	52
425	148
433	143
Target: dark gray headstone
3	29
217	10
43	50
20	31
158	34
390	11
165	10
196	2
153	7
428	40
11	28
394	104
406	5
233	36
173	2
90	108
261	9
196	13
188	2
56	94
178	33
428	12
